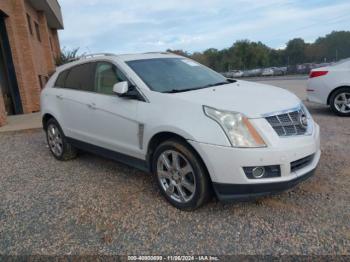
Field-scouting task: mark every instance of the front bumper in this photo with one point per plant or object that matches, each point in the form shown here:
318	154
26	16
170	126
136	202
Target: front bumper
229	192
225	164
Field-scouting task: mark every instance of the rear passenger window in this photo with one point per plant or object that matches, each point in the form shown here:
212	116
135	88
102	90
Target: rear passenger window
61	79
81	77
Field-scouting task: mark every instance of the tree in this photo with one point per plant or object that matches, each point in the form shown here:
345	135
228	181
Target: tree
247	55
333	46
66	56
276	58
295	51
212	58
178	52
244	54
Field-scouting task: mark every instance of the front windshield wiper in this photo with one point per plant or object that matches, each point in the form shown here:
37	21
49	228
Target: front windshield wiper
229	81
179	90
216	84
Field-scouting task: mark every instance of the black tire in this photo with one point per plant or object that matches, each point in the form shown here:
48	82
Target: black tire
201	181
332	101
67	151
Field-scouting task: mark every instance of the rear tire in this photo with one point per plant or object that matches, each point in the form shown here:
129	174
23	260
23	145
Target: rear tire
57	142
181	175
340	101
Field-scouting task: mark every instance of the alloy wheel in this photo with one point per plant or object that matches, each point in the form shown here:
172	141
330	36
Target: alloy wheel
342	102
176	176
54	138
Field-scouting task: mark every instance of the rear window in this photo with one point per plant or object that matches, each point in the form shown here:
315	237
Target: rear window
81	77
61	79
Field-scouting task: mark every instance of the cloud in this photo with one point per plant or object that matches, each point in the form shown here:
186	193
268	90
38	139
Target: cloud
194	25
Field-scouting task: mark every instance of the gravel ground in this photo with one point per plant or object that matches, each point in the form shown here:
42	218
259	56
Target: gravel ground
95	206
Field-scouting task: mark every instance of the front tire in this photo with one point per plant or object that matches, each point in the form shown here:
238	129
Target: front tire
181	175
57	142
340	101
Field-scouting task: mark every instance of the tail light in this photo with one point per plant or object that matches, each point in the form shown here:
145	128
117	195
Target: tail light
317	73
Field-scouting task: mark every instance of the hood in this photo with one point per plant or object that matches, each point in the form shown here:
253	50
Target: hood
251	99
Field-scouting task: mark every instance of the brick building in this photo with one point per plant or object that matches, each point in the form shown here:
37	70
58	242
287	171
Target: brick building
29	45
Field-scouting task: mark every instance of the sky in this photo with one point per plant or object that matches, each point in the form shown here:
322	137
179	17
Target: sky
129	26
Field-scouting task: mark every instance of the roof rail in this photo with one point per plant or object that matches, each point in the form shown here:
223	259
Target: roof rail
73	59
96	54
163	53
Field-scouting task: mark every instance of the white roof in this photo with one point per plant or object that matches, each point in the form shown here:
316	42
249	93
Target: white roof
122	57
129	57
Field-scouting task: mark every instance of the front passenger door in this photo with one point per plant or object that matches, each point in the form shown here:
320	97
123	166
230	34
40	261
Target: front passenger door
115	119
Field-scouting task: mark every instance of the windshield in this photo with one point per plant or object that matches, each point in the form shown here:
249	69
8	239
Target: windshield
170	75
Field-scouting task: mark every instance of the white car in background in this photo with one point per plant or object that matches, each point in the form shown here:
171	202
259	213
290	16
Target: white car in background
331	86
236	73
267	72
194	129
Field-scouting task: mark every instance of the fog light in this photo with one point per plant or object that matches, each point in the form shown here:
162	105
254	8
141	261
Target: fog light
258	172
261	172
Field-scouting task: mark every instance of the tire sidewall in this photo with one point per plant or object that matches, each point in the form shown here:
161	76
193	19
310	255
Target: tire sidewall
332	101
64	144
200	174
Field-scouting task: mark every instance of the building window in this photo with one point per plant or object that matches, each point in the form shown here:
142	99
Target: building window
51	44
40	82
30	24
37	29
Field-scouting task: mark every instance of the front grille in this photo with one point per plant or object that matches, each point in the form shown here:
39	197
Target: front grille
288	124
301	163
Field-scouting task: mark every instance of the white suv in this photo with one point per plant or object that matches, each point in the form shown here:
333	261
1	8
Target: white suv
195	130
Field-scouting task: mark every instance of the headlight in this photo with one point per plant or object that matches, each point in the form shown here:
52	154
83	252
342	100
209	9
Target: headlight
237	128
310	121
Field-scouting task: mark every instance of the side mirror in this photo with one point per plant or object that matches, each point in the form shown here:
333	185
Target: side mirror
121	88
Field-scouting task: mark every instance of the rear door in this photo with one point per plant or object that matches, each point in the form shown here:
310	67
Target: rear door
76	102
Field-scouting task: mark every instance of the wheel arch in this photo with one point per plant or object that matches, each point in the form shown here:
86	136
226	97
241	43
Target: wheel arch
164	136
335	90
45	119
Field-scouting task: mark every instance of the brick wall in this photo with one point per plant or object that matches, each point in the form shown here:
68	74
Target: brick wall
32	58
2	112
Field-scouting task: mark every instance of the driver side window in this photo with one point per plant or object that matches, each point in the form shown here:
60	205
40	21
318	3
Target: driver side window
106	76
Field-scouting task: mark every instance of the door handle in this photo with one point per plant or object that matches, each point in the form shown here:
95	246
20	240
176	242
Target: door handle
59	97
92	106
